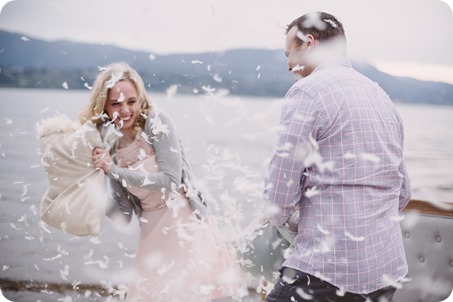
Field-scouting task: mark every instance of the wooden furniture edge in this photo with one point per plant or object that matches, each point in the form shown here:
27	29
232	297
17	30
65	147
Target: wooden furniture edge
430	208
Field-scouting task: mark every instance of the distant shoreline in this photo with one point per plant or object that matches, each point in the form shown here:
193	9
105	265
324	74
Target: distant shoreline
8	285
113	293
243	72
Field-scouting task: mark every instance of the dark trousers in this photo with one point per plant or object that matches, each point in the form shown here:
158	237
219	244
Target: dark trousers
294	285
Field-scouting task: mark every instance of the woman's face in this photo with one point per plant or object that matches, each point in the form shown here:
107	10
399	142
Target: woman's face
122	104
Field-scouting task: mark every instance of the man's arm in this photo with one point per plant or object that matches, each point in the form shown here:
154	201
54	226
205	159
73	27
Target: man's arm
284	180
405	192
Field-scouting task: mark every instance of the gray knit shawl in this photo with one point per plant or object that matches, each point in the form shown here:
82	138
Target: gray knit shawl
174	171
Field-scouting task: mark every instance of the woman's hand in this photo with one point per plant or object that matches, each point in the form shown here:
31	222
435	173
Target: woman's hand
102	159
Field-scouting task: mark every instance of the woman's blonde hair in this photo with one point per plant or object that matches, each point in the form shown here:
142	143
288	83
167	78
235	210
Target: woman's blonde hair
105	80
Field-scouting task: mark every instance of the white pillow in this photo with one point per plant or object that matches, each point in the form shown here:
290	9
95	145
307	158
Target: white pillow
77	195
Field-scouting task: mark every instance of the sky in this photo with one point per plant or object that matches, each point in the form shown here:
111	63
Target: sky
401	37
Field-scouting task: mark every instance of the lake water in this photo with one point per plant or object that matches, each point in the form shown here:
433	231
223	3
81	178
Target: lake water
228	142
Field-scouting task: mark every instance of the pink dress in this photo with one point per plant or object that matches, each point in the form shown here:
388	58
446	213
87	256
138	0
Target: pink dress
179	258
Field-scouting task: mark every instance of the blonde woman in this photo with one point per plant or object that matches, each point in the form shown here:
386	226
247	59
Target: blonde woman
180	256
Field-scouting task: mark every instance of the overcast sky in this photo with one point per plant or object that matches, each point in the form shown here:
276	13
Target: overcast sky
402	37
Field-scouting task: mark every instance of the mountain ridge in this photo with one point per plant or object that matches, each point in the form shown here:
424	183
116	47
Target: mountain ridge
33	63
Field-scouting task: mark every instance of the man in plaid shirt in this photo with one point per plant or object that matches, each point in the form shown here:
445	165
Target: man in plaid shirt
338	172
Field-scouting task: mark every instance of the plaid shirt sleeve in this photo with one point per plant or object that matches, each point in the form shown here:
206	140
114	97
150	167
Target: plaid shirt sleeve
295	143
405	193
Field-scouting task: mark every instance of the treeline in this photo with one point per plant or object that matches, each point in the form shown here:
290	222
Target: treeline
58	78
250	72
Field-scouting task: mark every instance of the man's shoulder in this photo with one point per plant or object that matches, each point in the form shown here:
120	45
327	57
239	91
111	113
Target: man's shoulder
328	76
317	81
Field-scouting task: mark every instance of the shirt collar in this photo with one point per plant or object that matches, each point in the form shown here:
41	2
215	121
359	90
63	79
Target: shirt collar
337	61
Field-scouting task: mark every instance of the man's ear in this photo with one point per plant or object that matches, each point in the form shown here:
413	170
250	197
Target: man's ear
310	40
300	35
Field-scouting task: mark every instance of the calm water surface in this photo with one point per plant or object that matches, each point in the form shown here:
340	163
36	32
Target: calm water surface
228	141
